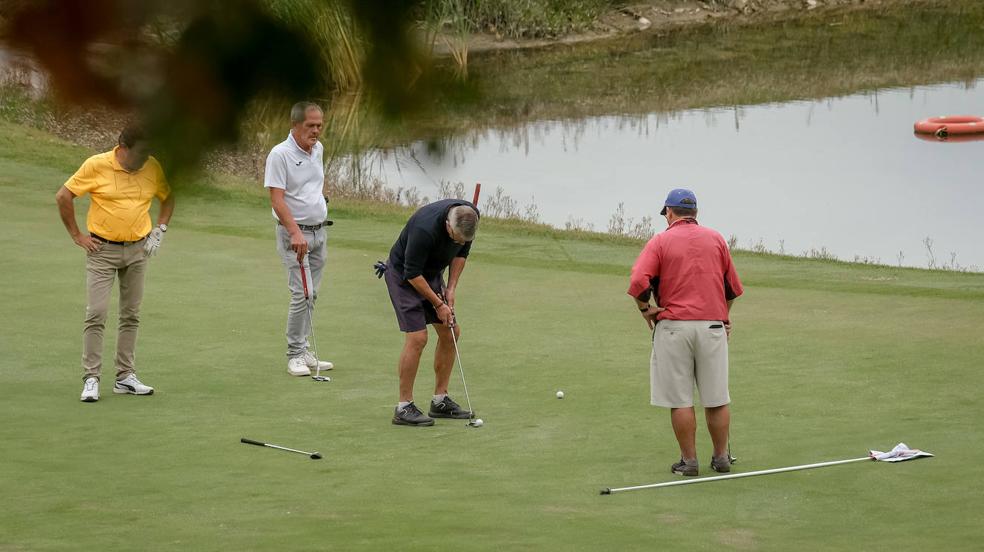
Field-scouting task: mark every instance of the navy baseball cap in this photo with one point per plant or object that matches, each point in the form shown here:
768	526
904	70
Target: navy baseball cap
680	197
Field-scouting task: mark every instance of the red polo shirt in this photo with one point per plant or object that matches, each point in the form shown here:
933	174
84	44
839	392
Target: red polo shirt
690	269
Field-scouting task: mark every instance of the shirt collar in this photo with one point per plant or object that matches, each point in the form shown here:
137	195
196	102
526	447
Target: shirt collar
114	161
684	221
290	138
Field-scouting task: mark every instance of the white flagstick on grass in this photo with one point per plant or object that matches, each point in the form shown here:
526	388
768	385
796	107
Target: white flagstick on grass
901	451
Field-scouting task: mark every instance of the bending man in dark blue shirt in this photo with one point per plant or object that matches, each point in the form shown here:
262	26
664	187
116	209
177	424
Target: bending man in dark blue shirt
437	236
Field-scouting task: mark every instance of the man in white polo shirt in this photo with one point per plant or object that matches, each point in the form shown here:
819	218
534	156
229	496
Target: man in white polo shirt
295	176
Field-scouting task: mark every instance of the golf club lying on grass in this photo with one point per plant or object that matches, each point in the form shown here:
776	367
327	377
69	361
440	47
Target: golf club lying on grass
312	455
307	305
900	453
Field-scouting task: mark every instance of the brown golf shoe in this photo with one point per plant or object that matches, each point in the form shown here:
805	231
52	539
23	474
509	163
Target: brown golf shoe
721	464
684	468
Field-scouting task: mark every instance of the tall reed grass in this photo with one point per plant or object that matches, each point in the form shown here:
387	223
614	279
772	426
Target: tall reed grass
341	46
520	18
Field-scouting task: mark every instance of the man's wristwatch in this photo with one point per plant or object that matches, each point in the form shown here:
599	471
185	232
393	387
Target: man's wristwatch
163	227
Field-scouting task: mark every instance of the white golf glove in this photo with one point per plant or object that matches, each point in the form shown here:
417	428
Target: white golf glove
153	241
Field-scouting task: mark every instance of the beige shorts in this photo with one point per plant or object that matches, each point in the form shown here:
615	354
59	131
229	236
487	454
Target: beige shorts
685	353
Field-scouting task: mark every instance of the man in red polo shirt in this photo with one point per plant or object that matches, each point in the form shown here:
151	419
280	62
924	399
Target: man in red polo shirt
688	270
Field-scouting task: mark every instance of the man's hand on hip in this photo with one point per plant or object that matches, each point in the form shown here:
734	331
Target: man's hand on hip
650	314
153	241
87	242
299	245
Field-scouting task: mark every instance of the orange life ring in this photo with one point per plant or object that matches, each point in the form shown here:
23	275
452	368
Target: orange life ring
946	126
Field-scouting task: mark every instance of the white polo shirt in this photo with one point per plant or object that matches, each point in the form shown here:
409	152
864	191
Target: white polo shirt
302	177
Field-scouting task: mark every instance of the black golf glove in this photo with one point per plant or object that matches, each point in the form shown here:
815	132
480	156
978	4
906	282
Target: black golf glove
379	268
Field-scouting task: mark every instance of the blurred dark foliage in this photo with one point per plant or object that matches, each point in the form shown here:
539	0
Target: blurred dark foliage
386	67
193	90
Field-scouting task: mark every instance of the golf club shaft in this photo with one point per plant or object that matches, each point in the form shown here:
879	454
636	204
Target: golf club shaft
310	307
461	371
733	476
259	444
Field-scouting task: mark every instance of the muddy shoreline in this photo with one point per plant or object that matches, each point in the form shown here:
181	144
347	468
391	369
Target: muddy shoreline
669	15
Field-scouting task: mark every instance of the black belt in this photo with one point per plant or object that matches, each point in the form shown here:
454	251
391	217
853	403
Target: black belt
111	242
312	227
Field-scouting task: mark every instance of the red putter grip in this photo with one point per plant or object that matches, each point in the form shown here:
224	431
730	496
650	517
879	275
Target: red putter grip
304	280
478	190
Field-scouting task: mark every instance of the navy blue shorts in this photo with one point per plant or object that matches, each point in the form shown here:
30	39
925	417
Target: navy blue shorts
413	312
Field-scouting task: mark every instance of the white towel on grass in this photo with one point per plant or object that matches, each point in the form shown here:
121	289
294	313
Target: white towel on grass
900	453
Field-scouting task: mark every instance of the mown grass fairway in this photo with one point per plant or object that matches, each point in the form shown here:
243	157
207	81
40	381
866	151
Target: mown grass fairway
828	360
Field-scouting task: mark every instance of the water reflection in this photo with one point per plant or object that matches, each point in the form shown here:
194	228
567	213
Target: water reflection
845	174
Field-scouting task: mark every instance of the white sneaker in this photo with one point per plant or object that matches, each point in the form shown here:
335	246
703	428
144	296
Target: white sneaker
312	362
132	386
90	390
297	367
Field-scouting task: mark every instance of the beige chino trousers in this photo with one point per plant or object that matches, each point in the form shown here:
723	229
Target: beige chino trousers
129	262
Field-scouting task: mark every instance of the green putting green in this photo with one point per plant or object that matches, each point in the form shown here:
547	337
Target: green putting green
828	360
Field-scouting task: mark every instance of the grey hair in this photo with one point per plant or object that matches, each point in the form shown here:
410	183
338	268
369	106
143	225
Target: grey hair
463	220
298	112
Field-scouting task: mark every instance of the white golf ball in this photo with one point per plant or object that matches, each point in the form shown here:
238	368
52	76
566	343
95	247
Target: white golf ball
478	423
560	394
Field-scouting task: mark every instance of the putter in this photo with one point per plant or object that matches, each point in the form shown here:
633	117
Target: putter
461	371
731	458
312	455
307	302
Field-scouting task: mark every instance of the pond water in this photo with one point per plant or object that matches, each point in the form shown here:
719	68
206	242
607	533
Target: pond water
843	175
586	132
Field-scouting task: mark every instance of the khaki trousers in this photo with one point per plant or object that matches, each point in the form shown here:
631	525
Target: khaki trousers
129	262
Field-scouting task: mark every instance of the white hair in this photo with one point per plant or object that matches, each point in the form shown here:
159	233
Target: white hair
464	221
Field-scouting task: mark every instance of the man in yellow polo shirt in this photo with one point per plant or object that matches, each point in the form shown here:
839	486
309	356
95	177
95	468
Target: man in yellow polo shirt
121	185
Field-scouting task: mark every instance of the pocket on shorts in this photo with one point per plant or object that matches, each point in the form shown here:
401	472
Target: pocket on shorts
716	330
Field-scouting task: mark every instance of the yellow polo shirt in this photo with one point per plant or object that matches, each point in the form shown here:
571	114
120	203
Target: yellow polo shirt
120	201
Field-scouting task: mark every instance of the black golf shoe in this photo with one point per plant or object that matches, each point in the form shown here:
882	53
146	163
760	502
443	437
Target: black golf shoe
447	408
683	468
410	415
721	465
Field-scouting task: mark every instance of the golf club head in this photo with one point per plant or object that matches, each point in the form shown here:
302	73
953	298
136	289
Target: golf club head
320	378
606	491
316	456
